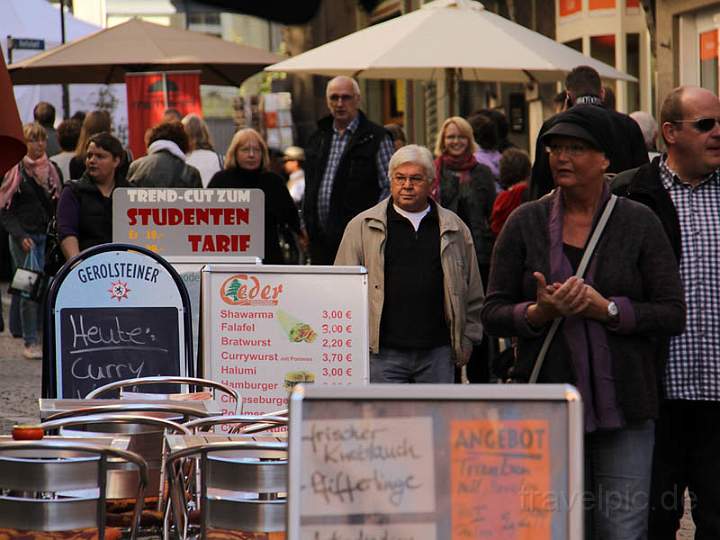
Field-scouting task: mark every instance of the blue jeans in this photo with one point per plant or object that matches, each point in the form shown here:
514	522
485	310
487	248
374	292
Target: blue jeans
618	466
28	308
412	366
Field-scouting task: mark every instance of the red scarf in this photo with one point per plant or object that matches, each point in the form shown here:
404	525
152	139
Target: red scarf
458	164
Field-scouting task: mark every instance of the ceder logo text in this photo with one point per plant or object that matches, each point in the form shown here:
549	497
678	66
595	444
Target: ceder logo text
245	290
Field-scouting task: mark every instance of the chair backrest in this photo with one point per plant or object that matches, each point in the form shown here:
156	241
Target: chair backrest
263	483
61	486
149	444
142	381
244	423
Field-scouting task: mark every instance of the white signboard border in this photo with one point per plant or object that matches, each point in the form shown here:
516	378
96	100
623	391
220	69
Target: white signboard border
206	313
439	392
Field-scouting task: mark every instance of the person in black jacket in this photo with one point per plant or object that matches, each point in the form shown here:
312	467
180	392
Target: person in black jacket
27	204
84	217
345	169
627	146
246	166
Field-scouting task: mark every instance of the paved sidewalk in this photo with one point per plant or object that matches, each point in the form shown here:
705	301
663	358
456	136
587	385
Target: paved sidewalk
20	379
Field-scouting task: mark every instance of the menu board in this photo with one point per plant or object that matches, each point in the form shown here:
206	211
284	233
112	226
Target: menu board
268	328
116	315
426	462
191	225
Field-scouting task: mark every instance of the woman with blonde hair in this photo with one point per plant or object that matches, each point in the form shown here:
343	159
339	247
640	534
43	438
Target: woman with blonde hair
247	166
201	153
28	196
467	188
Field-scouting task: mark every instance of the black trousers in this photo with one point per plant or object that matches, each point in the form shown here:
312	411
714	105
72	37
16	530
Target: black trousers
687	455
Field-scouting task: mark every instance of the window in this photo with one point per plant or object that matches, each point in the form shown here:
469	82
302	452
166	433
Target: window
709	60
632	62
570	7
603	48
575	44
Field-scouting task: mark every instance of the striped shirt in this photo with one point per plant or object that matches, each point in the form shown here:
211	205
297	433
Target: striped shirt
337	147
693	367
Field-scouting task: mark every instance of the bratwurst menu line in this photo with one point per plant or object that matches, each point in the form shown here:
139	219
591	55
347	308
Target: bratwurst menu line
272	331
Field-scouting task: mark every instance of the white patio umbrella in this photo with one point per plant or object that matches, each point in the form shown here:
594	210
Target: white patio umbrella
446	37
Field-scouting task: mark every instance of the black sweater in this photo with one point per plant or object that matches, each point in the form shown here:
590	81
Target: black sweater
280	209
634	260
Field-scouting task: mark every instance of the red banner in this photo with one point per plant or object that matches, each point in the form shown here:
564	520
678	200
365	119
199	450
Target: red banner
149	94
709	45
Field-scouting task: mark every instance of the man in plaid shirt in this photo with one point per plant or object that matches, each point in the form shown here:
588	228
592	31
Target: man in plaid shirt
683	188
346	169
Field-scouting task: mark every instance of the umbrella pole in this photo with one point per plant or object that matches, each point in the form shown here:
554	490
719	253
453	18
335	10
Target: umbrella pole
451	88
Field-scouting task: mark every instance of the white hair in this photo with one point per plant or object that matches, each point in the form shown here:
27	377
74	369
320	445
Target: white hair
344	78
648	126
415	154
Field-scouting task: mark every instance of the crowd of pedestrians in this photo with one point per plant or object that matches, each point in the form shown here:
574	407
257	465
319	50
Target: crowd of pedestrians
595	265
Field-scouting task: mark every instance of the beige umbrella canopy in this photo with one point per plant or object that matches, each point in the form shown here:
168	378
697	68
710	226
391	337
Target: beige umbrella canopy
134	46
460	36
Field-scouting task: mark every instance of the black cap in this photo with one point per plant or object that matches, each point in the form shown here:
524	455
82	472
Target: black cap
566	129
589	123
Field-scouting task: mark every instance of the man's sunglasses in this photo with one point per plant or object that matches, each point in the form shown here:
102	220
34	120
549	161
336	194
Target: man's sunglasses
703	125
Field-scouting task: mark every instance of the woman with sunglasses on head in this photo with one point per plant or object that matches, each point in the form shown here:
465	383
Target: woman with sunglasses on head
84	217
608	319
28	196
247	165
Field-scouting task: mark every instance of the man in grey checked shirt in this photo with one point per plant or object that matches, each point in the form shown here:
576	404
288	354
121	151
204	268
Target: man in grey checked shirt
683	188
346	169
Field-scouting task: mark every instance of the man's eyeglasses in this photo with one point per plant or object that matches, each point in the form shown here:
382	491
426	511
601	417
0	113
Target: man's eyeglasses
415	179
702	125
572	150
340	97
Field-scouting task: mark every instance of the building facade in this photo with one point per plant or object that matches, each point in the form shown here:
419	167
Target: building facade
687	44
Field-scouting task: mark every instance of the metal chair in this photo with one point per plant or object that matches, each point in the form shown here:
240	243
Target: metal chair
61	486
245	423
236	493
146	434
193	381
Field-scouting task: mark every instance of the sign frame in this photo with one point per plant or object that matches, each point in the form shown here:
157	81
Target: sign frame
440	392
52	367
206	345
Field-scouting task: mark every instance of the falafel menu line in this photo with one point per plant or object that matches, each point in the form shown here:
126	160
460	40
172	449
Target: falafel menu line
266	331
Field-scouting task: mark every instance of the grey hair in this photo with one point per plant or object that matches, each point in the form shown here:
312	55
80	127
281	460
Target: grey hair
413	153
353	82
648	126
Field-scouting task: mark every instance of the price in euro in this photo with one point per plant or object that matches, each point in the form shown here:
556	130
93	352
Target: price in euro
337	314
337	372
336	357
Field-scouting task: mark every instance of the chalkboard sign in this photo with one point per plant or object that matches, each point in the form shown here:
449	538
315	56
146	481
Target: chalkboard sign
432	462
115	312
104	345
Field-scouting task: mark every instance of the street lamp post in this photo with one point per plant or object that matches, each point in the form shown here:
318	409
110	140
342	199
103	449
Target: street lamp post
65	94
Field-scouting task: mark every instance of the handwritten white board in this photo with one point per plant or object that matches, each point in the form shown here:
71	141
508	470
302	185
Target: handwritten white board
435	461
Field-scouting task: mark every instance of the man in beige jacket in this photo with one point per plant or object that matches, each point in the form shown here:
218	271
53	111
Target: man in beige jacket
425	290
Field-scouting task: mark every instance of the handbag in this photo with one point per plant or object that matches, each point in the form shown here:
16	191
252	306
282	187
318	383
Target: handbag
54	257
29	281
584	263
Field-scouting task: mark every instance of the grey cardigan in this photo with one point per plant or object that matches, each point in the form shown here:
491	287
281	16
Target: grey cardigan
633	261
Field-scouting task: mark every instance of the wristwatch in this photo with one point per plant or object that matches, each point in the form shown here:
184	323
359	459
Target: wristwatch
613	311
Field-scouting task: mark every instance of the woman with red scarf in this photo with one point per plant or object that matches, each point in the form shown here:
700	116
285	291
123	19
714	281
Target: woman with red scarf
28	196
467	188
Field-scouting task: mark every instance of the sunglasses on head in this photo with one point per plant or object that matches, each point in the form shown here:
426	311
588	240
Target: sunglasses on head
703	125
